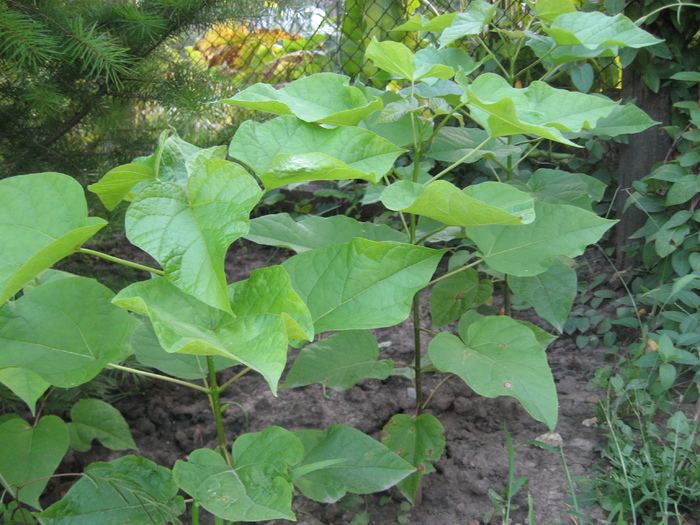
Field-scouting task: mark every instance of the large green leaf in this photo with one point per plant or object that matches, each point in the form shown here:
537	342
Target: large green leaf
96	419
275	446
453	296
173	161
188	230
444	202
311	232
65	331
500	357
29	453
546	48
201	464
399	60
455	58
420	441
529	249
562	187
469	22
186	325
452	144
548	10
269	291
130	491
24	384
149	352
286	150
538	109
361	284
324	97
594	29
117	183
551	293
257	489
401	132
420	23
369	466
623	120
339	361
43	218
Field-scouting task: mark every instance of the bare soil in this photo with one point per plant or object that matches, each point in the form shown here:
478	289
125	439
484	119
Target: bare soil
169	421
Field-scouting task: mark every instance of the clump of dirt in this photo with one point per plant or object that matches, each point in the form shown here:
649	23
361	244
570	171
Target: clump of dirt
169	421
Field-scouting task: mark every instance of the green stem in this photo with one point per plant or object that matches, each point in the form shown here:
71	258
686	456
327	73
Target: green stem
429	235
417	353
534	147
460	161
453	272
120	261
442	123
643	19
157	376
444	380
536	62
195	513
214	392
506	298
498	63
234	378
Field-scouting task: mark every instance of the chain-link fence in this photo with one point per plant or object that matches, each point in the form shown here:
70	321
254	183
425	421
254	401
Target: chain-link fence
332	35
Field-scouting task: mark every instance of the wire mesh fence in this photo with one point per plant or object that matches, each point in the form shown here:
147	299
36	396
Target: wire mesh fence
331	35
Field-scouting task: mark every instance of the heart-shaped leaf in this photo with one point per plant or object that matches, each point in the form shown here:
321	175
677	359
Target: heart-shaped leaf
269	291
368	465
500	357
530	249
311	232
623	120
130	490
188	230
420	441
397	59
24	384
453	296
551	293
538	109
444	202
173	161
286	150
324	97
562	187
548	10
361	284
452	144
469	22
594	29
339	361
186	325
94	418
117	183
257	489
546	48
29	453
149	352
43	218
65	331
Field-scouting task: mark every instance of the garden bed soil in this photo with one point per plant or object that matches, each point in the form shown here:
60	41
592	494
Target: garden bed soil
169	421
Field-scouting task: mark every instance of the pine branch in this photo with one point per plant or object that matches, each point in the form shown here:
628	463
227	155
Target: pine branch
23	41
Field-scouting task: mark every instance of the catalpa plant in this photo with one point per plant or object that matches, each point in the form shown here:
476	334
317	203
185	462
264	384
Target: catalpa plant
404	147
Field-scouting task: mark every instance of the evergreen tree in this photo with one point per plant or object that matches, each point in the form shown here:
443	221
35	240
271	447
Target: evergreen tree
85	84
